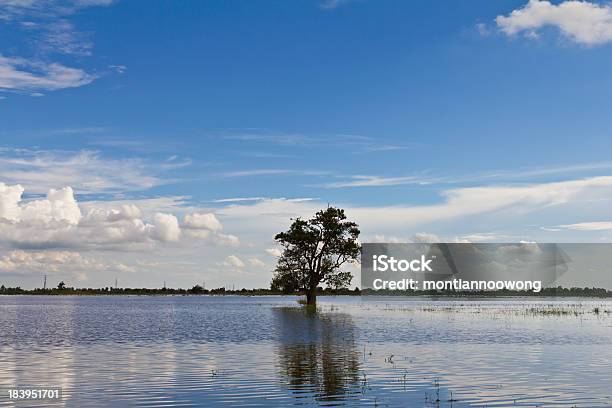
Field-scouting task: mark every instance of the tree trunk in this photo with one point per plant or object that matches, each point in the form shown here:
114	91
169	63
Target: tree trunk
311	297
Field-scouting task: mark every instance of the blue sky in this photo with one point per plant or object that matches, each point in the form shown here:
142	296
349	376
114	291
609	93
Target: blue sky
474	120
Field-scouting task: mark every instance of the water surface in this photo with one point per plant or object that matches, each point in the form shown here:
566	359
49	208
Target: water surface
267	351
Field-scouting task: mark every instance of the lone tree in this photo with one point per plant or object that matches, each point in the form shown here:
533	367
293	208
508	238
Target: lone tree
314	251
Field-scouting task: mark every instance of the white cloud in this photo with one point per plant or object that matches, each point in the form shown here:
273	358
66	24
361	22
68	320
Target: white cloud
227	240
166	227
425	237
463	202
382	238
274	252
58	262
234	262
239	199
375	181
46	8
206	226
61	37
583	22
256	262
59	206
86	171
206	221
257	172
263	219
589	226
20	74
478	237
45	25
59	222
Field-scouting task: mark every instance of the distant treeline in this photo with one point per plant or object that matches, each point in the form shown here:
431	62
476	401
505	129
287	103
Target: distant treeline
195	290
199	290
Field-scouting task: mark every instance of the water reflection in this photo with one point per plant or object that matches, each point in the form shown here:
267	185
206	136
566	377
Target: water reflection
318	354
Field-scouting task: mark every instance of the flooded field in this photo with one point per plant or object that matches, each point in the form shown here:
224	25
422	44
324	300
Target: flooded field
268	351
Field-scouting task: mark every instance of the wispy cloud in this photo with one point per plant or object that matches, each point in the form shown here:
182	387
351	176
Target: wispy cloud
424	179
375	181
61	37
239	199
582	22
32	69
588	226
482	29
333	4
256	172
254	199
15	9
87	171
272	172
352	143
21	75
456	204
176	162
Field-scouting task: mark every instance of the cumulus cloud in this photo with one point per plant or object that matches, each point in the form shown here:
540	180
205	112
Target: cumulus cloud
59	206
207	226
166	227
206	221
57	221
583	22
234	262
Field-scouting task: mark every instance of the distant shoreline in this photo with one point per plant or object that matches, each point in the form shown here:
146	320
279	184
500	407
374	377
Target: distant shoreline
197	290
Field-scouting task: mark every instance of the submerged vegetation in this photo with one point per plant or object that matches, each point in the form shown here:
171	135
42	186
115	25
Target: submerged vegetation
558	291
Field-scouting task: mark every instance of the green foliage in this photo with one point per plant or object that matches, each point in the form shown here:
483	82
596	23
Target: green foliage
197	289
314	250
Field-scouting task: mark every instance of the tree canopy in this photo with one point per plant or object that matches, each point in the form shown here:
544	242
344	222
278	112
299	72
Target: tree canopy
314	252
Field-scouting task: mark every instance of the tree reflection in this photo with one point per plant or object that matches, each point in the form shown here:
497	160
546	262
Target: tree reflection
318	355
